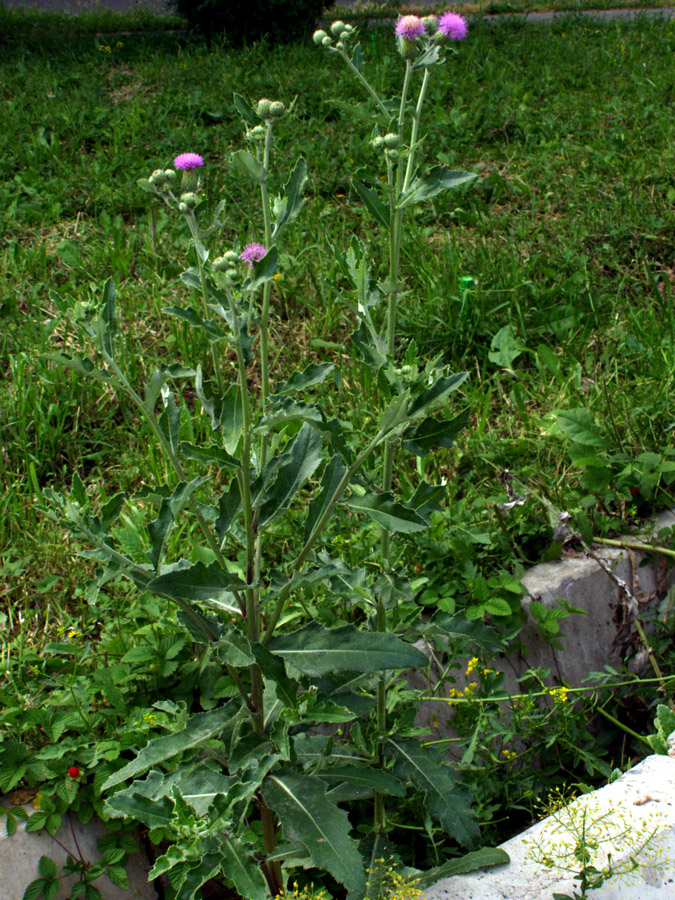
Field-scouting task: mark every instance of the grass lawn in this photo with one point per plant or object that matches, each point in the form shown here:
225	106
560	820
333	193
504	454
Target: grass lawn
548	279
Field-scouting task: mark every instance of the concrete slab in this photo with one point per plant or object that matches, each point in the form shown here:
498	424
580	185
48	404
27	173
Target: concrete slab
640	803
20	854
589	641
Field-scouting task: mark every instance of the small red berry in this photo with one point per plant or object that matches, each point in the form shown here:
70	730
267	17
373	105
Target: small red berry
634	491
73	772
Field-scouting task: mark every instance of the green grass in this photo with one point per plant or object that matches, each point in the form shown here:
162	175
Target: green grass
568	233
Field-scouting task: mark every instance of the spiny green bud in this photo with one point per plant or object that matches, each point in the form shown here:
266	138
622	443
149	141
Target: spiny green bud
189	199
327	41
256	134
344	36
263	108
220	264
339	46
408	49
391	141
158	178
337	28
170	175
349	28
391	154
183	208
319	35
277	109
377	142
232	276
430	23
232	257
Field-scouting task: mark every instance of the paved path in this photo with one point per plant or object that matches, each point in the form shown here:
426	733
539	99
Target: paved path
77	6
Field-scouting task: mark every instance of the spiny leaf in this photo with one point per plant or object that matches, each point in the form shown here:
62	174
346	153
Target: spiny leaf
308	817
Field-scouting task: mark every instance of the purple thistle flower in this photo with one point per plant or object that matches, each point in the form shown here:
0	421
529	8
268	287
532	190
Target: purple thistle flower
188	161
410	28
252	253
453	26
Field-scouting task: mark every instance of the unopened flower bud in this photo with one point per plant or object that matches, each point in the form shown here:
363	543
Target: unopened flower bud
337	28
377	142
277	109
391	154
408	49
256	134
189	199
232	257
430	22
232	276
327	41
344	36
158	178
340	46
319	35
263	108
349	28
183	208
170	175
391	141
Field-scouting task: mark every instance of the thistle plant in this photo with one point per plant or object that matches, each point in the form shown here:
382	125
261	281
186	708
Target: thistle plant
247	791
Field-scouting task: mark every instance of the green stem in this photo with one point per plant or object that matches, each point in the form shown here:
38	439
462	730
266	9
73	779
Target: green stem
365	83
635	545
414	131
215	355
256	708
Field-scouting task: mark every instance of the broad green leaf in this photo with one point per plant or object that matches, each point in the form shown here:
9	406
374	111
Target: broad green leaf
83	366
439	179
447	801
299	462
580	426
288	207
47	867
198	729
274	668
428	57
242	868
210	454
108	313
232	418
366	776
306	815
129	804
439	390
196	582
287	409
249	165
315	373
496	606
169	508
228	507
372	202
245	110
211	329
263	270
427	499
506	347
198	785
477	859
235	649
332	476
169	421
387	512
315	650
434	433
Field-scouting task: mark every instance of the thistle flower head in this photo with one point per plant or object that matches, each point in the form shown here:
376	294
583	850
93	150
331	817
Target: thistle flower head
252	253
410	28
453	26
188	161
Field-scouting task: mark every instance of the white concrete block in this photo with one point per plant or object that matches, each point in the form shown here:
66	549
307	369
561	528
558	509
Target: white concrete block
20	854
643	798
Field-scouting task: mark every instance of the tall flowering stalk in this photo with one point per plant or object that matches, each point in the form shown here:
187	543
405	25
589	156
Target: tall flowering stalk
226	784
420	42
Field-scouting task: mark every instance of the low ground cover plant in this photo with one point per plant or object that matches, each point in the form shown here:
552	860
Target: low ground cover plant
508	281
